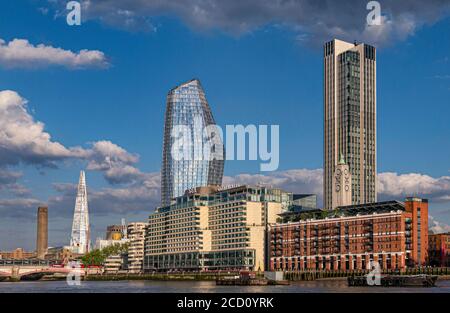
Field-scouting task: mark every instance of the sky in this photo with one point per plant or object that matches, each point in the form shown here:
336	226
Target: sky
92	97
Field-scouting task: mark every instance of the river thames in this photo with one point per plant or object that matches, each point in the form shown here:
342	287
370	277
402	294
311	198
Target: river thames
318	286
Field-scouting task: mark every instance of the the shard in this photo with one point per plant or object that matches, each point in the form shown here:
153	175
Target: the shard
80	239
203	152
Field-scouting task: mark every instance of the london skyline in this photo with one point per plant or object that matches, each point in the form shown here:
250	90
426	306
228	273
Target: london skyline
104	109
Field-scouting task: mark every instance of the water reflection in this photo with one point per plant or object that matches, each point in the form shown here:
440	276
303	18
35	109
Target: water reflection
319	286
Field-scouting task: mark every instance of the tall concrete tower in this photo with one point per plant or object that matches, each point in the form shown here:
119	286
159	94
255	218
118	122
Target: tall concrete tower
350	118
80	240
42	232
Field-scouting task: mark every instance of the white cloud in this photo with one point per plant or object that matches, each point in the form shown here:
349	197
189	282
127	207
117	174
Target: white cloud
114	161
20	53
24	140
296	180
437	227
320	20
397	185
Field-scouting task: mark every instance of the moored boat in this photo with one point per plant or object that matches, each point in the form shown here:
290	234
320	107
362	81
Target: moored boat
394	281
248	279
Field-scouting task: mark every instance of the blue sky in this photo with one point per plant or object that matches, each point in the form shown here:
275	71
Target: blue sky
268	72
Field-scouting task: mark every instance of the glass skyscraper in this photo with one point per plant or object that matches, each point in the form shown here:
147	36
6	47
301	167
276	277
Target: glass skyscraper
190	128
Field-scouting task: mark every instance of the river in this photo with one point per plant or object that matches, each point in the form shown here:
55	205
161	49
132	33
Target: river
318	286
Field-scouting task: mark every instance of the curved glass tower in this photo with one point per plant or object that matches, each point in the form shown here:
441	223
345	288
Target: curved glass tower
191	140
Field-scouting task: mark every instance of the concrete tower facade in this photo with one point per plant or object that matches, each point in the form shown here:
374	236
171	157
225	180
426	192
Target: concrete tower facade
80	240
342	185
350	117
189	127
42	232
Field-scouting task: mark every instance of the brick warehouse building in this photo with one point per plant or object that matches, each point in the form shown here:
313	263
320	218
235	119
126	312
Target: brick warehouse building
439	250
393	233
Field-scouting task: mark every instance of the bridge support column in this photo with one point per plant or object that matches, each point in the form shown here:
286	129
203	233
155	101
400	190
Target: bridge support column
15	276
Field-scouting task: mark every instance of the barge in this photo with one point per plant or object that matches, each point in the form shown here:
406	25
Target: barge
394	281
248	279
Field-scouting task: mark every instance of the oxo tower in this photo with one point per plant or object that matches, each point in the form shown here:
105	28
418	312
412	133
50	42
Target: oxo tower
80	239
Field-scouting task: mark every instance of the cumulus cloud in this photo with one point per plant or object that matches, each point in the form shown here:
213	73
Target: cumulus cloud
437	227
296	180
390	185
24	140
115	162
399	185
319	20
20	53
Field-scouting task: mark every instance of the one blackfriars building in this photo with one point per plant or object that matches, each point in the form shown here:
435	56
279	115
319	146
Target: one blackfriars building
350	118
188	130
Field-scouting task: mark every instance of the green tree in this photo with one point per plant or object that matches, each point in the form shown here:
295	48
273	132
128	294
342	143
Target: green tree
97	257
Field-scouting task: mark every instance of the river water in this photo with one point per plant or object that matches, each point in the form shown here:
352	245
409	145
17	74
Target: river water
318	286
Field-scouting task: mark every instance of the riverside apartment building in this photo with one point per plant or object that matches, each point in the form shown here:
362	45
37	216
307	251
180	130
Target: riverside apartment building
392	233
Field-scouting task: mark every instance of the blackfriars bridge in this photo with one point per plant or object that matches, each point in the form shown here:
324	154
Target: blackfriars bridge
33	269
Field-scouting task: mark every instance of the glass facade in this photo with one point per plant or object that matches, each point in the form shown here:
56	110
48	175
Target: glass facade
187	107
350	127
230	260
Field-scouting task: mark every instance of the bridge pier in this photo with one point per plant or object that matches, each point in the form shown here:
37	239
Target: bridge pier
15	273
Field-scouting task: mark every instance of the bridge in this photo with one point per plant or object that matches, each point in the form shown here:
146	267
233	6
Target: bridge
33	269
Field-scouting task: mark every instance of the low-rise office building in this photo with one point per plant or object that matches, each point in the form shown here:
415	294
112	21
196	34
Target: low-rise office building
213	228
17	254
439	250
392	233
59	254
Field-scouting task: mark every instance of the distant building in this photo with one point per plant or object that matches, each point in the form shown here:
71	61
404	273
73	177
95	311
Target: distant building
305	200
350	111
80	241
42	232
116	232
60	254
214	228
17	254
115	264
392	233
136	237
188	110
103	243
439	250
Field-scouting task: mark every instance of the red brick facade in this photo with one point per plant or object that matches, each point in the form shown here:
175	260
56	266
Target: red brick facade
389	237
439	250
